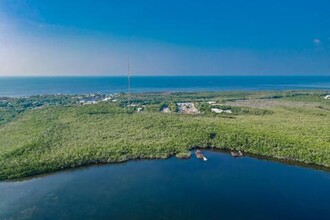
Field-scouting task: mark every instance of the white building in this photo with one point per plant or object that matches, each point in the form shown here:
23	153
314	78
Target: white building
187	108
166	110
106	99
217	110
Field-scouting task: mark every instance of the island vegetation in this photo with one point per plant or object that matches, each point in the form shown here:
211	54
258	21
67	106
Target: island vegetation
45	133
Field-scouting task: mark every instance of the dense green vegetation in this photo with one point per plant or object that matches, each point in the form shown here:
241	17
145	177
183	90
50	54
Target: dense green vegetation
11	107
57	132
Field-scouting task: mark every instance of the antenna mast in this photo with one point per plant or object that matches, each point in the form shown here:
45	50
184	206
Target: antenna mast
129	80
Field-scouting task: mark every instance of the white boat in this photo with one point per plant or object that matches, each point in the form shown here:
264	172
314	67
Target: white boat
200	155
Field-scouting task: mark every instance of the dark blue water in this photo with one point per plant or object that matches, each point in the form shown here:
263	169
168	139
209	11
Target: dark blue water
22	86
221	188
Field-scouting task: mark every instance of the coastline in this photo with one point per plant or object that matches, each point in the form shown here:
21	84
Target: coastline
65	134
287	162
36	85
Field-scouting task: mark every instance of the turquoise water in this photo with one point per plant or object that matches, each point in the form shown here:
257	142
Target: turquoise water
23	86
221	188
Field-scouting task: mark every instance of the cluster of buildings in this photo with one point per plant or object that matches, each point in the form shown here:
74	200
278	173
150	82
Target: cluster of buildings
218	110
95	98
138	107
190	108
187	108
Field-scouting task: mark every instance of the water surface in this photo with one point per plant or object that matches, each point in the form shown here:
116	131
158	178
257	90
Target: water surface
221	188
24	86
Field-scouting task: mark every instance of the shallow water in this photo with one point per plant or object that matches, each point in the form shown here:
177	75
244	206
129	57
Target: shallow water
221	188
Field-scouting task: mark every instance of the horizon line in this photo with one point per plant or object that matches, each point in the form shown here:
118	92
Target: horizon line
161	75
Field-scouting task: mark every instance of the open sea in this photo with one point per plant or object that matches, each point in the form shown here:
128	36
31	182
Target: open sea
26	86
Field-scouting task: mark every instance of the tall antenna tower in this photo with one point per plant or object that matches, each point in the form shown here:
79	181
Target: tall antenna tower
128	81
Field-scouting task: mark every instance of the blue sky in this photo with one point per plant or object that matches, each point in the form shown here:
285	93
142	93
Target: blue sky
73	37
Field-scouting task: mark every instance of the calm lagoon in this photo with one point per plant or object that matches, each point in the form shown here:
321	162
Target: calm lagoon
221	188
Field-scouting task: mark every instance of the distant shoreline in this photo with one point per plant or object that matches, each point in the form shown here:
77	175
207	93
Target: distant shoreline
26	86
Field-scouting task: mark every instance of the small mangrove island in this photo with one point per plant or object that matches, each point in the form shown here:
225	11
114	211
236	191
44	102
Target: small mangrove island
45	133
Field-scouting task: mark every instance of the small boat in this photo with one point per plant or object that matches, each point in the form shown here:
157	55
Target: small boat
200	155
236	153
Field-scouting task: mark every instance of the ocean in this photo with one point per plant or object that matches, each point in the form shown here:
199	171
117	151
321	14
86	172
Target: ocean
26	86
